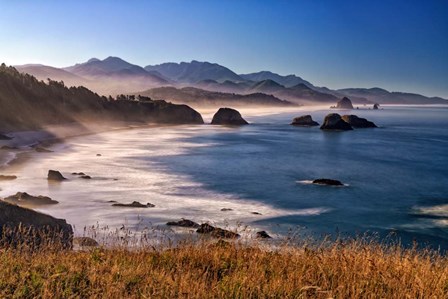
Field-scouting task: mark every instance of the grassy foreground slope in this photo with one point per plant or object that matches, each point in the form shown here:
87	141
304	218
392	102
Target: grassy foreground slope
356	269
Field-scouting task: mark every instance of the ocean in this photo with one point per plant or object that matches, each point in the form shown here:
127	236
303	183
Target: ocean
395	176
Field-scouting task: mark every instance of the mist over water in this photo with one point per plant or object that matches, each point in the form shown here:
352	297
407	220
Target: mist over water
396	175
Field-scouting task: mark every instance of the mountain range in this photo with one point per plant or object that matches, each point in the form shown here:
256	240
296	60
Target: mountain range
115	76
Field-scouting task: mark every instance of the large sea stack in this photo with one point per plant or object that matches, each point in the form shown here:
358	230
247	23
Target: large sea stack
345	103
228	116
333	121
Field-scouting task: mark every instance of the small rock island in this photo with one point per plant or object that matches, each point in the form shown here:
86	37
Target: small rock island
228	116
345	103
334	121
304	121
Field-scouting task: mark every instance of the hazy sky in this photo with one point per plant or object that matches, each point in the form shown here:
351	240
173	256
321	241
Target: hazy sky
397	45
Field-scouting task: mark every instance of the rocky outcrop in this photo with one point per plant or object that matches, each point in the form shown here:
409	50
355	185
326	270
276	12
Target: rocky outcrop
345	103
24	226
216	232
376	106
54	175
228	116
304	121
134	204
184	223
263	235
7	177
25	199
333	121
358	122
327	182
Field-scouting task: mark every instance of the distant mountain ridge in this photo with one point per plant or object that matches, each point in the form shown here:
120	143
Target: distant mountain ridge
194	71
114	75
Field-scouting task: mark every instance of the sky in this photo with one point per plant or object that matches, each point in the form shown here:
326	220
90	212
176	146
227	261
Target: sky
399	45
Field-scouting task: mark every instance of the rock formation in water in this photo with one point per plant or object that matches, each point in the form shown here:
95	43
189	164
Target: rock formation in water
7	177
345	103
358	122
184	223
375	106
25	199
333	121
304	121
54	175
24	226
228	116
134	204
216	232
328	182
263	235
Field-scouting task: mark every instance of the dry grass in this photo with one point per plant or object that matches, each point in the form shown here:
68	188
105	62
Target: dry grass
205	269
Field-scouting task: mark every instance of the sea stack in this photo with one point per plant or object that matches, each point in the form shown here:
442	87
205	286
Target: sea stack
345	103
333	121
358	122
304	121
228	116
375	106
54	175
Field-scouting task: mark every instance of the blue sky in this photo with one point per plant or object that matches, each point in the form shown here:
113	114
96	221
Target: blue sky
397	45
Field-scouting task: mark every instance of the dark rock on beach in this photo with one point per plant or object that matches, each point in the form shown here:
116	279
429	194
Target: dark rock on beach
328	182
358	122
184	223
134	204
24	226
256	213
86	177
228	116
333	121
54	175
216	232
304	121
226	210
78	173
345	103
263	235
25	199
7	177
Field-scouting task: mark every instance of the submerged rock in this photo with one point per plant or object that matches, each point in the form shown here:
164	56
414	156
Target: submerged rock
328	182
85	242
23	198
184	223
345	103
86	177
263	235
216	232
78	173
40	149
54	175
134	204
228	116
7	177
333	121
304	121
24	226
358	122
4	137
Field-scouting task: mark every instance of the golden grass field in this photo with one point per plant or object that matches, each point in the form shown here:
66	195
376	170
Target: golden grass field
219	269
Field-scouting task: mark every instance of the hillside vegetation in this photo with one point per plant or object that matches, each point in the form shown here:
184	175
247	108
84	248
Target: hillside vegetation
28	103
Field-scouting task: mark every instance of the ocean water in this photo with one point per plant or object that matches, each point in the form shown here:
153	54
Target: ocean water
396	176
